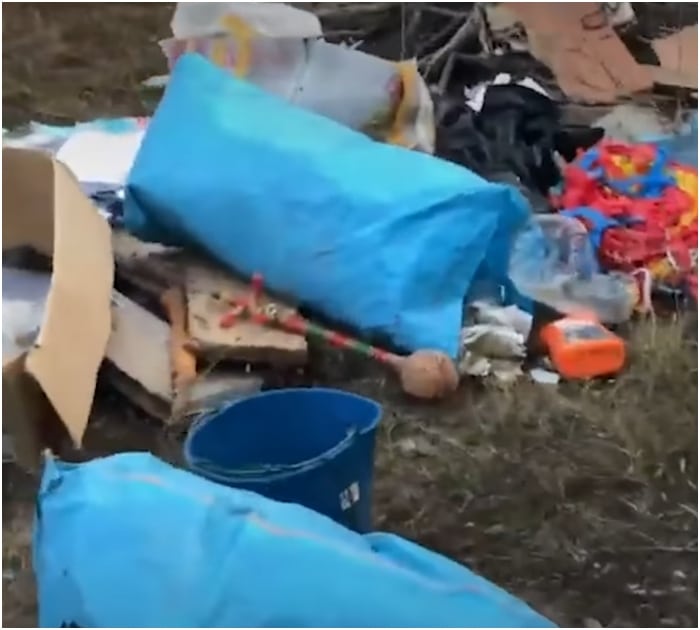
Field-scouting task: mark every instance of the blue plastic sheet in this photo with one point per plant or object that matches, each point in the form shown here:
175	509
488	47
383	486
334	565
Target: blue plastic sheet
129	541
383	239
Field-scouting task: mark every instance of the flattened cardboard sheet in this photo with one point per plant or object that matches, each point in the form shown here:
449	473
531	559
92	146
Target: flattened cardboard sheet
44	208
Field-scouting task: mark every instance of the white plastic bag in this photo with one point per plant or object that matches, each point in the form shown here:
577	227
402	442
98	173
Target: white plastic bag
553	262
271	19
281	50
23	301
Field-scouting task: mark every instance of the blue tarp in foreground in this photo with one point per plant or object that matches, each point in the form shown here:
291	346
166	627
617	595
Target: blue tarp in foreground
381	238
129	541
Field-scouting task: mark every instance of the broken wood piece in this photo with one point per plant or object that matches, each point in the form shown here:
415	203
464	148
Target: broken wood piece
436	60
446	74
152	267
411	33
439	10
127	247
208	293
138	351
183	363
136	394
138	346
437	38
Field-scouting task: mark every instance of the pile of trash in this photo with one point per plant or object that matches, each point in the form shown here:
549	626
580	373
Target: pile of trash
288	188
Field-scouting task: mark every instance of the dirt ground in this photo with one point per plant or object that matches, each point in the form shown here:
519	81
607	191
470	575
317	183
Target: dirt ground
582	500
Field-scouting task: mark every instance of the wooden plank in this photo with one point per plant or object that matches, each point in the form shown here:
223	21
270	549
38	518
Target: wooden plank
207	288
138	349
154	267
139	345
136	394
129	248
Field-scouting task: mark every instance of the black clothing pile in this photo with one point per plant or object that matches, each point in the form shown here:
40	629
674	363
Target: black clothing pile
512	138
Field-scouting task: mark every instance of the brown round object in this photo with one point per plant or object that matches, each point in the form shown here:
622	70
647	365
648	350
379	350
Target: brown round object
427	374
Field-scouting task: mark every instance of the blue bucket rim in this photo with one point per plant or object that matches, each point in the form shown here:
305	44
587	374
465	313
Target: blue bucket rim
266	473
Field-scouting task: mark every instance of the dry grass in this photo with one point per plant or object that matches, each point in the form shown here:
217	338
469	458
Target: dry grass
582	500
80	60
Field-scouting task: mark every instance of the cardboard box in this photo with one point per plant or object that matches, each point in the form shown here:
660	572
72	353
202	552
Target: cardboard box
48	391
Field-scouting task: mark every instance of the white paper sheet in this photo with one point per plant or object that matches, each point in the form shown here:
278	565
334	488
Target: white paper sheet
96	156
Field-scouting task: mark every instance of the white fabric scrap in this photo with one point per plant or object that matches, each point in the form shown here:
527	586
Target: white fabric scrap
474	365
494	343
544	377
489	349
619	13
475	95
504	370
510	316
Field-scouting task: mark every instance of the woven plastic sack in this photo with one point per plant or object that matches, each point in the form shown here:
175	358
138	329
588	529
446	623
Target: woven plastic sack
130	542
383	239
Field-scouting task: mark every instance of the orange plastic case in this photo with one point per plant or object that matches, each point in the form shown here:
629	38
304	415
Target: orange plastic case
582	348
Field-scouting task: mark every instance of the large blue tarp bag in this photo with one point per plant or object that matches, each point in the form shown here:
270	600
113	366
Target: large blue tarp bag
129	541
383	239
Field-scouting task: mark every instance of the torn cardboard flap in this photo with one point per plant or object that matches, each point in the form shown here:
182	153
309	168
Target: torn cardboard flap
673	78
678	58
44	208
577	42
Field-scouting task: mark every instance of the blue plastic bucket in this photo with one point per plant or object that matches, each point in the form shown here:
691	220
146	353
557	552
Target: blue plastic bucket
314	447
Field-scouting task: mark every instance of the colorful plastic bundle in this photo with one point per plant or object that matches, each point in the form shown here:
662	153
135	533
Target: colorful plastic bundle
640	208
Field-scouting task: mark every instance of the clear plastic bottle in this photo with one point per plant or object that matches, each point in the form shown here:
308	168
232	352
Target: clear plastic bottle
553	262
